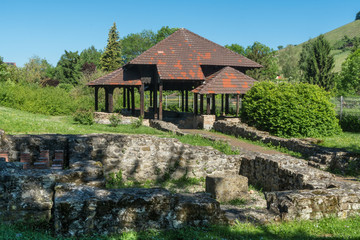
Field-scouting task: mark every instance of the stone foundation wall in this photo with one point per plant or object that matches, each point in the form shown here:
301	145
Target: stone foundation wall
314	204
294	190
139	157
320	157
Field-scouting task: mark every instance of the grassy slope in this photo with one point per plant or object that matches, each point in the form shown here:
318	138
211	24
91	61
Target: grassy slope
351	30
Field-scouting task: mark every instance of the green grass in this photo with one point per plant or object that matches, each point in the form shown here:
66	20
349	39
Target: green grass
330	228
346	140
14	121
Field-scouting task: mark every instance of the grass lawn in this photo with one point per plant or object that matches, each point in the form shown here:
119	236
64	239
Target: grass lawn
330	228
345	140
14	121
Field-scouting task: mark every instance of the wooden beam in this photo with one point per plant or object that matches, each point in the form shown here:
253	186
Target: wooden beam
96	98
227	104
124	97
133	101
155	99
106	99
161	101
208	104
195	100
151	97
109	99
213	110
186	100
182	101
142	100
222	104
128	98
201	104
237	104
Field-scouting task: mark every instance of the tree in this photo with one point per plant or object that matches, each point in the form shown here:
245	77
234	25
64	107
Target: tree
3	71
90	55
349	78
111	59
68	70
280	47
317	63
164	32
135	44
265	56
236	48
36	70
357	17
288	61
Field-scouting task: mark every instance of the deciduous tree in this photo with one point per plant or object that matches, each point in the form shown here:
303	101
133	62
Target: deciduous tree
236	48
68	69
349	78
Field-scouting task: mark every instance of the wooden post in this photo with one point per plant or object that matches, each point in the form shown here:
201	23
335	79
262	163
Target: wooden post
155	99
208	104
142	102
341	107
151	97
186	100
160	101
195	103
201	104
96	98
124	97
213	110
109	99
133	101
106	99
237	104
222	104
182	101
128	98
226	103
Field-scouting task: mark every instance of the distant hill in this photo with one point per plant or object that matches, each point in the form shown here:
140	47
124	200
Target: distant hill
351	30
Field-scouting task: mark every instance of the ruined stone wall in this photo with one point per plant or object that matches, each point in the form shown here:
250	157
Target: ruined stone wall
320	157
139	157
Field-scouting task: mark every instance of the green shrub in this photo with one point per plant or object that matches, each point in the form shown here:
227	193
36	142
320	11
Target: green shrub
290	110
84	117
115	120
350	123
137	123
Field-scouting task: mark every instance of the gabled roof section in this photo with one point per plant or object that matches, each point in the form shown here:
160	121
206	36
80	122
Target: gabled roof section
181	55
118	77
226	81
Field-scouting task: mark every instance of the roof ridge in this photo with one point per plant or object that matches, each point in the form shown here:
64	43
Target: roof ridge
237	54
168	37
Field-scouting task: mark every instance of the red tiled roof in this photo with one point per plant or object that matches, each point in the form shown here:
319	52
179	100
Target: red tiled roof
118	77
226	81
181	55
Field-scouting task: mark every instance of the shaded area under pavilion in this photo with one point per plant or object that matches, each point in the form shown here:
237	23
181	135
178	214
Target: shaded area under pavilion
185	62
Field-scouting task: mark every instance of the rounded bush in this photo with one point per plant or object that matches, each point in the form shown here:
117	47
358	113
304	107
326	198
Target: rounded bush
290	110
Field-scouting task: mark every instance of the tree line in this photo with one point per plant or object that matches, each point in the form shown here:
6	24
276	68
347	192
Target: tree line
314	65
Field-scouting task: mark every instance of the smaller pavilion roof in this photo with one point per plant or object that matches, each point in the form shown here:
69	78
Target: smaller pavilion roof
228	80
118	77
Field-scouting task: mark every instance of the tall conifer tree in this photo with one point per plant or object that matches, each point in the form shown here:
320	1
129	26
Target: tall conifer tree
317	63
111	58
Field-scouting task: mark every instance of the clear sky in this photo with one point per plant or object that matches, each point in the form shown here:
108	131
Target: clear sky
48	27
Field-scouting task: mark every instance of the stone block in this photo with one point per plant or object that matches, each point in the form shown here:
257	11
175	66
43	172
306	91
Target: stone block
207	121
227	187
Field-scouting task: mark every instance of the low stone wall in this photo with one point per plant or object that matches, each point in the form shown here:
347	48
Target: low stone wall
84	210
78	208
281	172
139	157
314	204
290	183
320	157
165	126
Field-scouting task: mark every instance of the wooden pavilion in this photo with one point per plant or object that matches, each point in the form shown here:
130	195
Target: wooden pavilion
183	61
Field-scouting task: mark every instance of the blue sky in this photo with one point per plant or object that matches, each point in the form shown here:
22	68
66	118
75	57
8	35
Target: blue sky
47	28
